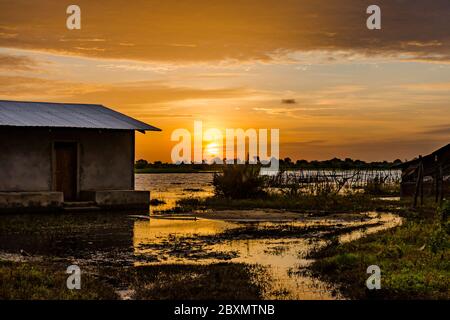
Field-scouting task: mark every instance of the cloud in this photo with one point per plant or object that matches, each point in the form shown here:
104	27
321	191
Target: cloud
120	94
432	86
202	30
16	63
288	101
438	130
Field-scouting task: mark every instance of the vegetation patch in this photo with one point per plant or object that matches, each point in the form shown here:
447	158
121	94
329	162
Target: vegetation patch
32	281
414	260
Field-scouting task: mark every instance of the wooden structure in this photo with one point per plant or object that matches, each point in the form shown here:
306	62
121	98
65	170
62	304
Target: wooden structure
427	176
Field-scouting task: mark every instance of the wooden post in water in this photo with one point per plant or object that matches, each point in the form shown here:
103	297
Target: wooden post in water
441	184
419	183
436	179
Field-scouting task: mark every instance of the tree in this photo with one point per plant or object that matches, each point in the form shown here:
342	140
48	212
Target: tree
288	162
141	164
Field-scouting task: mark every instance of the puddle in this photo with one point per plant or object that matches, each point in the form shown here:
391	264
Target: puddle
389	198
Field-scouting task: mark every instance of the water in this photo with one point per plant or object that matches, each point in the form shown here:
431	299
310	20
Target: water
170	187
195	241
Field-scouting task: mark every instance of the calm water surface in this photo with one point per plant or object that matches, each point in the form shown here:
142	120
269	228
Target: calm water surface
171	187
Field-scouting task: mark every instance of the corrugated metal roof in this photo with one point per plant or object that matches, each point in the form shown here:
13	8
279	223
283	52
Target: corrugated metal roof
66	115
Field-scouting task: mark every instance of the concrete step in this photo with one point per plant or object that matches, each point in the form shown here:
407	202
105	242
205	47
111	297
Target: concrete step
78	204
81	209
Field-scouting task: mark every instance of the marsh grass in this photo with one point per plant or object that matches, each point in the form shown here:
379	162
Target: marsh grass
414	259
239	182
379	188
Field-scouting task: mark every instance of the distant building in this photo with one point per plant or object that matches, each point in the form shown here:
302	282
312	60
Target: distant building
427	176
67	156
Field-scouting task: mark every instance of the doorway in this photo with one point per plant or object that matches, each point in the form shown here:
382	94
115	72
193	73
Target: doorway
66	169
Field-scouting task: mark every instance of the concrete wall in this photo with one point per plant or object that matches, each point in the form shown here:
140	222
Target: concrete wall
105	158
25	160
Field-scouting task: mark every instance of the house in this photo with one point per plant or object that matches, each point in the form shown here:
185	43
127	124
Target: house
67	156
427	176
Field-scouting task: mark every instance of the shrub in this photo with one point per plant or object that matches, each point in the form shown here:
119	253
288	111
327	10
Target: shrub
445	211
445	214
239	182
438	240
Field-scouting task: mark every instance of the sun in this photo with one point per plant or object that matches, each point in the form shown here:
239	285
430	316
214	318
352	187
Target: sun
212	149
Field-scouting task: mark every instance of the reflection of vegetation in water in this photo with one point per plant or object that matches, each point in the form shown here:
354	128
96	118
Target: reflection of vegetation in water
414	259
191	248
357	202
157	202
214	281
193	189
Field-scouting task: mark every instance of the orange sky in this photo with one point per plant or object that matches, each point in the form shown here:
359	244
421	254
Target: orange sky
372	95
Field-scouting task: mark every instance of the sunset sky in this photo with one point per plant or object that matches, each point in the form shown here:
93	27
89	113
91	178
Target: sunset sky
310	68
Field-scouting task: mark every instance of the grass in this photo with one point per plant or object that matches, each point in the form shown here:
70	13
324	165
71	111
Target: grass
40	281
31	281
414	259
382	189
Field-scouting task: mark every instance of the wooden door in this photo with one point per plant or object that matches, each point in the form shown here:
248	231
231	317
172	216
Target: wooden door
66	169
